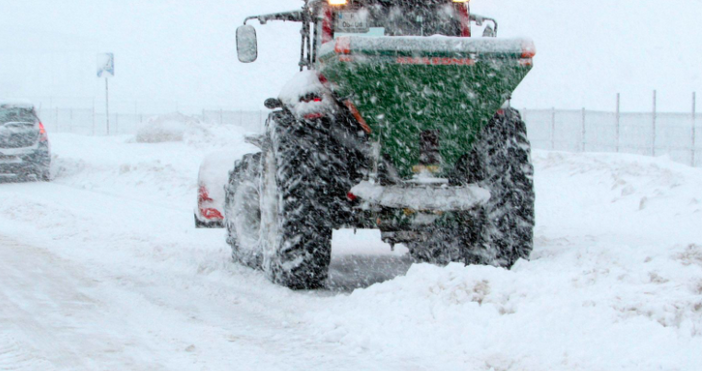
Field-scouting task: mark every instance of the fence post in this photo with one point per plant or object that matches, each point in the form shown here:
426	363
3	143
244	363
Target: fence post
553	128
694	133
584	132
653	135
93	117
618	119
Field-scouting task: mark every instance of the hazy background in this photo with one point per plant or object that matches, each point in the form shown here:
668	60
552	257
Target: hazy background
181	54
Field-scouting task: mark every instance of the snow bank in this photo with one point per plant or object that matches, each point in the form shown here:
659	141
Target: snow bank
615	282
165	128
163	173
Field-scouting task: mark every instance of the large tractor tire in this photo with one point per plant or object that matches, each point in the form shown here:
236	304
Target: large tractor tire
296	229
502	231
242	211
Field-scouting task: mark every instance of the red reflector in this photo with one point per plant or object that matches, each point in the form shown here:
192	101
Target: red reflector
311	98
352	197
526	62
528	49
313	116
203	195
42	133
211	214
343	45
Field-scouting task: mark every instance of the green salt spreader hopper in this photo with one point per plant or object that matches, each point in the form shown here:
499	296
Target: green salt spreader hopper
403	86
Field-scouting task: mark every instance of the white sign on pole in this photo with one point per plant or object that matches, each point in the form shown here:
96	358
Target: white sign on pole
106	65
106	69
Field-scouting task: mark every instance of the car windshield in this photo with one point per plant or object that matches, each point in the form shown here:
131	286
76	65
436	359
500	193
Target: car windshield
15	114
399	20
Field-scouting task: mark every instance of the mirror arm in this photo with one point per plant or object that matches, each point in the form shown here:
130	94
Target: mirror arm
495	23
250	18
479	19
294	16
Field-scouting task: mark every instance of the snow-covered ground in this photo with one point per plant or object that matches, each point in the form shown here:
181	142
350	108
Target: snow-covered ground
103	269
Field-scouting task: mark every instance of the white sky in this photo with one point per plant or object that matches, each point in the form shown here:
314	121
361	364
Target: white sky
181	52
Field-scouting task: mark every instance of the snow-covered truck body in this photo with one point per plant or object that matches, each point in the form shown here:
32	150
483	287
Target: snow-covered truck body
399	123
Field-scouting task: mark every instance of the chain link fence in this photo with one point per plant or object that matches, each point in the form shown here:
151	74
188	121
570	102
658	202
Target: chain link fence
652	134
673	134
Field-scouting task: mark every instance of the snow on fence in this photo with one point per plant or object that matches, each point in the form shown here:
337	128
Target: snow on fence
86	121
653	134
673	134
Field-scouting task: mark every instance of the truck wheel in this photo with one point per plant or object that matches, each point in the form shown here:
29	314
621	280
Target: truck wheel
242	211
295	229
502	231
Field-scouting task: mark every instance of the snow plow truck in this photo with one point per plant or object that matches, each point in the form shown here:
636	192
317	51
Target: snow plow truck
399	120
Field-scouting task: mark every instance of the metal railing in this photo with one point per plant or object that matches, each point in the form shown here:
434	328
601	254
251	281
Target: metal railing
652	133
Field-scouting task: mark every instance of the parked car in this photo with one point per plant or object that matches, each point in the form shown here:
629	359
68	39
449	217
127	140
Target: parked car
213	176
24	145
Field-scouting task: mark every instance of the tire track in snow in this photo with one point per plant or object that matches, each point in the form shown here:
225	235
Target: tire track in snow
39	305
15	356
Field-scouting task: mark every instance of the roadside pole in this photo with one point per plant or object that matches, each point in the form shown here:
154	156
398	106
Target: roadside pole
618	119
653	134
106	67
93	117
107	106
553	128
584	130
694	132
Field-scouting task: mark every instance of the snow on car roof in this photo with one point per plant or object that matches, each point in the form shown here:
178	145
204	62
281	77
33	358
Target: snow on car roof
16	103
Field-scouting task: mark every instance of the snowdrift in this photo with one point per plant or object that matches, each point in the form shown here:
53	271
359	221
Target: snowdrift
615	281
165	128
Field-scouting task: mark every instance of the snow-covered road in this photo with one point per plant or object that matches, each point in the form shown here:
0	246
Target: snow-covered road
103	270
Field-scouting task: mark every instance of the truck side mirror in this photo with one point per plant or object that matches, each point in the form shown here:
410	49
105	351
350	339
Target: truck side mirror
246	44
273	103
